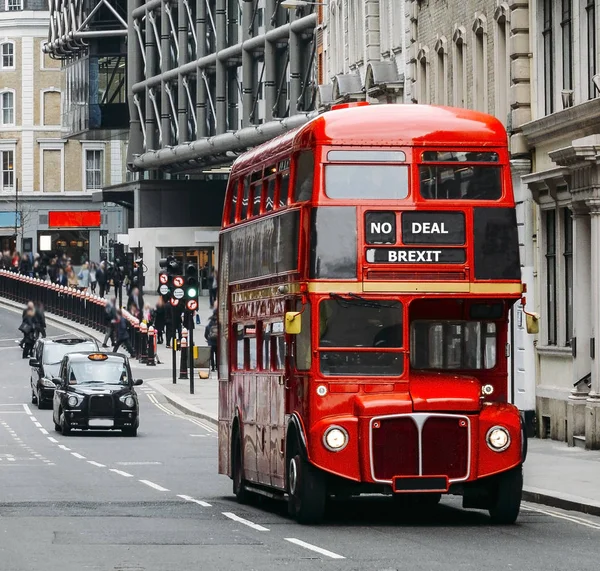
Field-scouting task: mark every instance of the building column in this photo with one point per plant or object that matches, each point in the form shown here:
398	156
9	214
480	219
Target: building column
581	321
592	413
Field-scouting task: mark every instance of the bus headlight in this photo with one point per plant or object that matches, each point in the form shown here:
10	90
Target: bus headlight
335	438
498	438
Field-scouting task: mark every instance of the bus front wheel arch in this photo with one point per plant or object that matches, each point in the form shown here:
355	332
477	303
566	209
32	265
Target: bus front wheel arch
307	488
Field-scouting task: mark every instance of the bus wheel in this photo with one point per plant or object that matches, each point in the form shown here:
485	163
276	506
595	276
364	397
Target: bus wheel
237	470
307	491
506	496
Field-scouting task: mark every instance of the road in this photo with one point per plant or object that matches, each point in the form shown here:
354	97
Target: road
99	501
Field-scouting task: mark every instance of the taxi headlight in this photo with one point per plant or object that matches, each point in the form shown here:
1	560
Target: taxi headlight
73	401
335	438
48	383
498	438
128	401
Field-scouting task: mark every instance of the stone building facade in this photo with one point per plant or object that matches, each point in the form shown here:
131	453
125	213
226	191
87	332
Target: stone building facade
45	177
564	138
463	53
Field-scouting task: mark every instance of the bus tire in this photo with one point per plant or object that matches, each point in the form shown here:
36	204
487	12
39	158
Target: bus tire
506	497
237	470
307	490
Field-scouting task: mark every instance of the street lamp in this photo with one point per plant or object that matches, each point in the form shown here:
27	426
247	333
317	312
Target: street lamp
295	4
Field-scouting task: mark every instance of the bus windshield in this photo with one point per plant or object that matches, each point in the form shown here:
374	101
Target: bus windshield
375	181
359	323
463	345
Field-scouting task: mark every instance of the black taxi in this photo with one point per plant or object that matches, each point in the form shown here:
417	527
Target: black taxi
95	391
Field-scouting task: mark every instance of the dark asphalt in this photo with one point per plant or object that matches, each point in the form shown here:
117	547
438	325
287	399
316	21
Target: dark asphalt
99	501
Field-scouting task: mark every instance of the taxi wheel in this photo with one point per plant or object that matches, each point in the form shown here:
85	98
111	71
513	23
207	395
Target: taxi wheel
33	397
506	502
130	431
64	425
40	402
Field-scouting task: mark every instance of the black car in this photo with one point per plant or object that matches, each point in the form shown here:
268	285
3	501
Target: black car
95	391
48	354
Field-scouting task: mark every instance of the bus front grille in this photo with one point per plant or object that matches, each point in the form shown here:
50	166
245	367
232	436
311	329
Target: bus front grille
420	444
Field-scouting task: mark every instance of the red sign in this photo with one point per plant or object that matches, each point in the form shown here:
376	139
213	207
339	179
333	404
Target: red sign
192	305
163	278
178	281
174	302
74	219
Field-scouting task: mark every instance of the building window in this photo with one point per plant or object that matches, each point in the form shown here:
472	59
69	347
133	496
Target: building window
480	81
7	163
441	74
591	47
459	75
502	67
13	5
551	275
7	59
7	105
423	91
567	43
548	57
568	255
93	169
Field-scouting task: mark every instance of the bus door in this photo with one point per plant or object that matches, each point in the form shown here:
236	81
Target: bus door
274	349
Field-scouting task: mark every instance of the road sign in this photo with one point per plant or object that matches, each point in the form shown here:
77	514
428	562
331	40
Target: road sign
174	302
163	289
178	293
178	281
163	278
192	305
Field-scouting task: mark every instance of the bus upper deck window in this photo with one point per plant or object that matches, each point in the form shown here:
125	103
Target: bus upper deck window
464	182
235	189
372	181
256	196
245	200
284	188
303	181
270	198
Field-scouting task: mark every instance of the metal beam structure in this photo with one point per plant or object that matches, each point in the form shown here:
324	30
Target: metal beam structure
212	78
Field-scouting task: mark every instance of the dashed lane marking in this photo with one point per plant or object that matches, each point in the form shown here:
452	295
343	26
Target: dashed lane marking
249	523
153	485
78	455
63	447
121	473
199	502
44	431
558	515
314	548
53	440
96	464
38	424
27	409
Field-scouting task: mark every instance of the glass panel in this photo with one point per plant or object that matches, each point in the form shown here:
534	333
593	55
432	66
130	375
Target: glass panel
568	254
303	346
270	199
548	56
367	156
551	275
252	353
465	182
256	195
303	184
234	199
567	44
454	345
459	156
382	182
266	347
240	349
284	188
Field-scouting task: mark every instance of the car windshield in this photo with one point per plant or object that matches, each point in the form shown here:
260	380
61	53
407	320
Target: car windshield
465	345
109	372
355	322
53	353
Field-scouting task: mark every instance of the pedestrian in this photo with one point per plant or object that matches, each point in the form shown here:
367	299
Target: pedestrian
72	281
133	303
28	328
110	316
211	334
101	278
84	277
28	307
61	278
93	277
213	286
40	319
123	335
160	316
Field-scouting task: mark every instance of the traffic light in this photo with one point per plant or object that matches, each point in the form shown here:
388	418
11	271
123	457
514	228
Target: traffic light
171	265
192	287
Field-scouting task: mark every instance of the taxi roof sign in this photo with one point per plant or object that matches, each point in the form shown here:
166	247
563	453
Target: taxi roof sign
98	357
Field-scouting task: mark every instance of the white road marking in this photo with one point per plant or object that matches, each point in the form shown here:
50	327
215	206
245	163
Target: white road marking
78	455
121	473
64	447
138	463
314	548
27	409
239	519
558	515
153	485
37	424
199	502
160	406
52	439
96	464
200	423
44	431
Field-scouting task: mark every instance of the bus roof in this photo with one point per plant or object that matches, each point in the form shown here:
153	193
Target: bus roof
385	125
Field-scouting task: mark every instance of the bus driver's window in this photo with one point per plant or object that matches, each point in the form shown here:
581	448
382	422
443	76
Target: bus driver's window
303	345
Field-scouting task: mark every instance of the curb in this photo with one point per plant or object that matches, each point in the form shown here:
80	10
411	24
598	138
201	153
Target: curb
180	404
561	502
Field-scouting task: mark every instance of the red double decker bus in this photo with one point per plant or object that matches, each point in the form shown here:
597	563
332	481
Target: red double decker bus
368	264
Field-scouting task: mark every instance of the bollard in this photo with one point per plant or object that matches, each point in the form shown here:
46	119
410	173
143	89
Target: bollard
143	348
183	370
151	358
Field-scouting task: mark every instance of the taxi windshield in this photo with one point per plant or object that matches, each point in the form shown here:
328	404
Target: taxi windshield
53	353
108	372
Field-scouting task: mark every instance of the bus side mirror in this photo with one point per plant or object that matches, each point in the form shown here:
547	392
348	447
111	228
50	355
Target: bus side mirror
293	323
532	321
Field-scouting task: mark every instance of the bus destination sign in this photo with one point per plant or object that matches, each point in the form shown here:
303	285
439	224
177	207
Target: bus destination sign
433	227
416	256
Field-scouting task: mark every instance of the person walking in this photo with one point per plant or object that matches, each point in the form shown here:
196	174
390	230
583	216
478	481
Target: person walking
93	277
72	281
211	334
28	307
40	319
84	277
101	278
28	328
213	285
61	278
123	335
110	315
160	318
